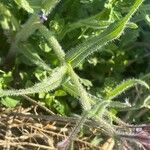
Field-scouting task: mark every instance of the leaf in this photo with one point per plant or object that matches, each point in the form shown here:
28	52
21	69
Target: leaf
80	52
46	85
61	106
7	19
28	28
132	25
83	95
52	41
31	25
70	88
129	37
25	5
32	6
86	83
9	102
98	109
147	102
117	104
48	5
35	5
60	93
30	53
124	86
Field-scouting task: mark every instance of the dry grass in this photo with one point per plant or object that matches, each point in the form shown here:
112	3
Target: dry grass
24	129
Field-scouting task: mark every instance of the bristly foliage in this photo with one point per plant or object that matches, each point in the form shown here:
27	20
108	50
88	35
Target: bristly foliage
32	55
83	95
46	85
53	43
124	86
62	32
78	54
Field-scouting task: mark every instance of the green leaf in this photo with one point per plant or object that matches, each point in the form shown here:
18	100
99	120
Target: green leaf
86	83
83	95
76	55
30	53
147	102
117	104
129	37
25	5
46	85
26	31
9	102
60	93
132	25
48	5
124	86
70	88
35	5
98	109
32	6
28	28
7	19
52	41
60	106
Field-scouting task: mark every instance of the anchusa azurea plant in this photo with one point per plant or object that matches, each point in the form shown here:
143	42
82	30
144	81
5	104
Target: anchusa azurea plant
62	40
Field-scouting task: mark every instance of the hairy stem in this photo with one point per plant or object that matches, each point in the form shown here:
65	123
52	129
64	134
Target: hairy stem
84	98
53	42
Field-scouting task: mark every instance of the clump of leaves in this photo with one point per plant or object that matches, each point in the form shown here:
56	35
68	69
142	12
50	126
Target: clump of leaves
36	43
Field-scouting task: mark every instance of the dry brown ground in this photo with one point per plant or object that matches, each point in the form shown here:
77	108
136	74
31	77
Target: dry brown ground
27	129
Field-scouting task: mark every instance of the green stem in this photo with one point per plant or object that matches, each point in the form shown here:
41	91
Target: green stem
53	42
76	129
85	100
28	29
